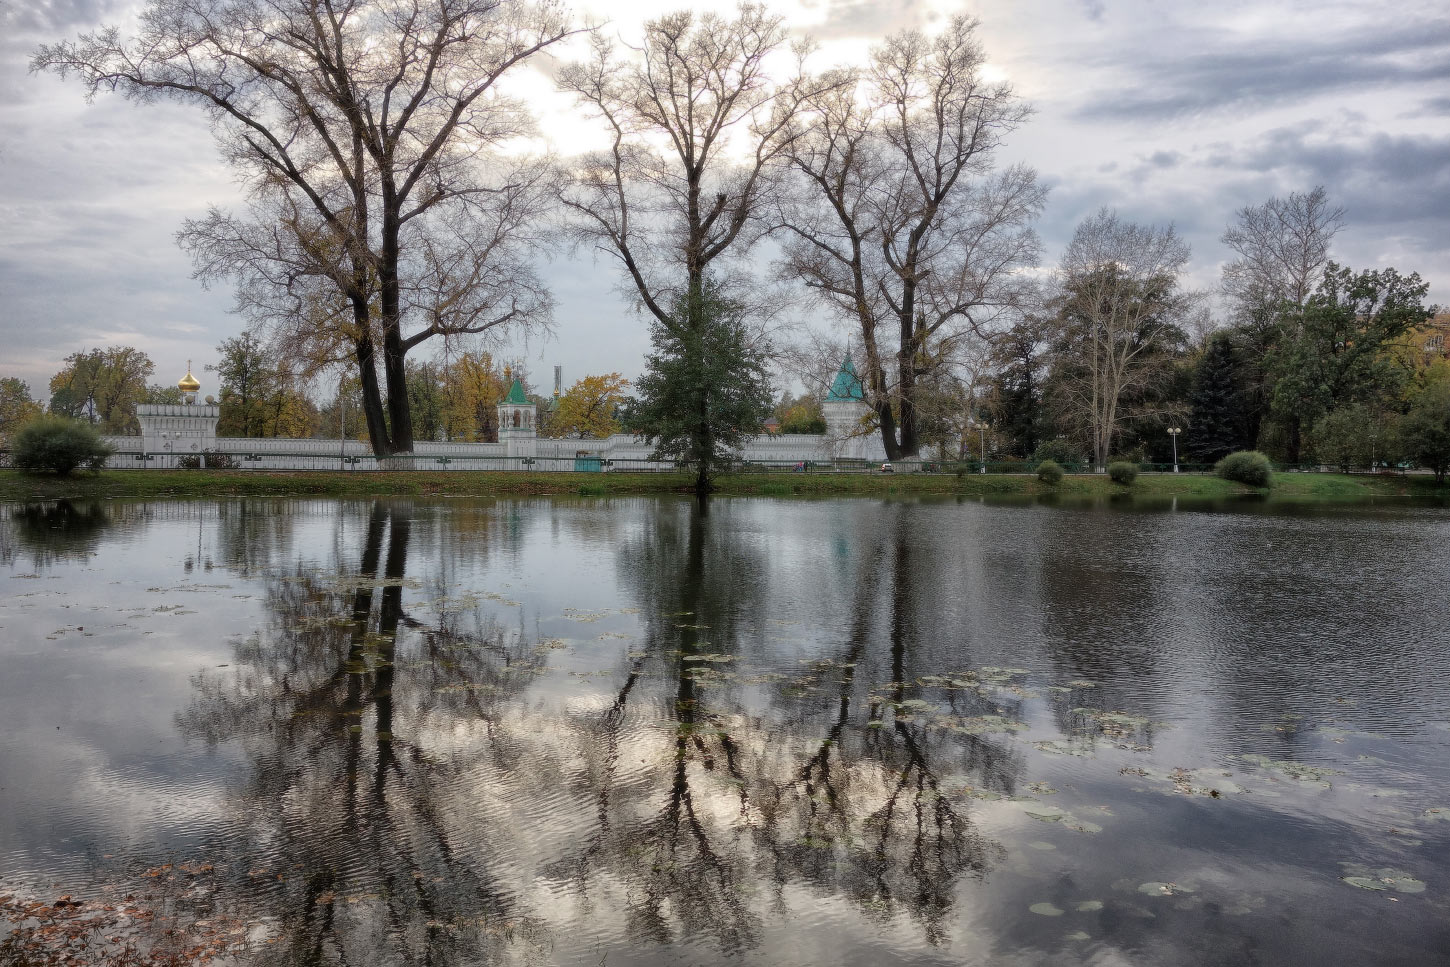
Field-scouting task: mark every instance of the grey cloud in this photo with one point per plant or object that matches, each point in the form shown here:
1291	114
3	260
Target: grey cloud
1387	179
49	16
871	18
1227	71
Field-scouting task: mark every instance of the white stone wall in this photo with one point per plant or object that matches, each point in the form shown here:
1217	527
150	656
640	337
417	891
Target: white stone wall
619	452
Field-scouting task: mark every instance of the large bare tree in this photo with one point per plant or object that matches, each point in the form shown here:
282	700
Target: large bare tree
1119	315
699	133
368	135
1282	248
903	226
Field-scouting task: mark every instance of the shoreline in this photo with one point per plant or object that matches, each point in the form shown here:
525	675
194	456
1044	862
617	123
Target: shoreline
1287	487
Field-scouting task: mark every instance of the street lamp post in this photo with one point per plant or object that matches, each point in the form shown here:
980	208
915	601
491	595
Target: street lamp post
1173	431
982	430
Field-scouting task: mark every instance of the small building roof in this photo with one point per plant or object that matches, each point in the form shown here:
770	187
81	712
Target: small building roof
516	395
846	385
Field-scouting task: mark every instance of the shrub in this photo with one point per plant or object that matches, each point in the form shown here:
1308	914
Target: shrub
1123	472
1059	451
214	461
1049	472
58	445
1246	467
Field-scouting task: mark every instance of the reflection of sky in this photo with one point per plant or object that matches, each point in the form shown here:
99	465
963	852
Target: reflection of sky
1304	638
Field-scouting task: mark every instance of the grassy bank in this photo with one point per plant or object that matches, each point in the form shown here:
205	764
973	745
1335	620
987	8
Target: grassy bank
1298	487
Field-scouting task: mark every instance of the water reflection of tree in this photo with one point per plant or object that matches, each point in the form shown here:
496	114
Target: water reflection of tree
55	530
332	714
847	794
253	533
867	812
377	722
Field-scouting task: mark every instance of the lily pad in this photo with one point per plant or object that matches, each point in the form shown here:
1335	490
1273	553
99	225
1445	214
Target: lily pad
1048	814
1078	935
1395	881
1041	844
1089	906
1046	910
1156	888
1081	750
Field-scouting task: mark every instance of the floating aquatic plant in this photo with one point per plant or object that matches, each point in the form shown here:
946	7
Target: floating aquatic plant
1384	879
1046	910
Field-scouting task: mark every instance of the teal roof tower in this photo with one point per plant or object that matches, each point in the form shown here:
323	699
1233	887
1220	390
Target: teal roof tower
847	385
516	395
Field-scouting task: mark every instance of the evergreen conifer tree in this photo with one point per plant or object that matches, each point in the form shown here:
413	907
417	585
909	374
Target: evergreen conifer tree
1216	427
706	387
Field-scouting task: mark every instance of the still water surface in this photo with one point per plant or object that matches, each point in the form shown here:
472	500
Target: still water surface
838	732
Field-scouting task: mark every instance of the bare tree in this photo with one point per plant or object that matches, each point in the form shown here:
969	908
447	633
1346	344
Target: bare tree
698	134
1118	316
367	133
1283	250
904	228
1282	247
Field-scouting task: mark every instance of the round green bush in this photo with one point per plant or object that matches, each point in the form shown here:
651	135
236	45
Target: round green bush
1123	472
55	444
1049	472
1246	467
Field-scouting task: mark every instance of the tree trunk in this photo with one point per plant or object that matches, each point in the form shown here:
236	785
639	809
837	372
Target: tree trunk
394	353
372	401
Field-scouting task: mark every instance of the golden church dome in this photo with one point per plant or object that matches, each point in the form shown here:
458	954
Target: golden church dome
188	383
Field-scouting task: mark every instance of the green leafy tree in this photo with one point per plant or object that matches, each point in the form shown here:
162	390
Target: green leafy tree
1344	438
587	409
705	389
800	414
1217	421
1334	351
1019	355
16	407
164	395
257	395
1425	431
102	387
428	400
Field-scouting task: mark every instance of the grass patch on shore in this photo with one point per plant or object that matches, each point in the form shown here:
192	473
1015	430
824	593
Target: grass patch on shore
1289	487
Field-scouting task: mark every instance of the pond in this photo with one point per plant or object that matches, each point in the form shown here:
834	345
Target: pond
629	731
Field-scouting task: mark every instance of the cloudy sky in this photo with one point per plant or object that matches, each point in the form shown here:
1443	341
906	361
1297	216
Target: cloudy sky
1167	111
